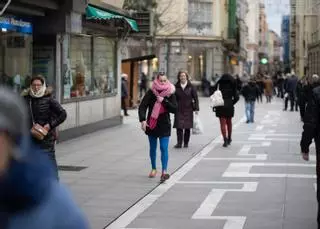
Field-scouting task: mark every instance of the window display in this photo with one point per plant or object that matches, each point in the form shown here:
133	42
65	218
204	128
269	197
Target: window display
91	68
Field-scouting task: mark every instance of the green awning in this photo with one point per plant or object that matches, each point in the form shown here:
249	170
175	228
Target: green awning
95	13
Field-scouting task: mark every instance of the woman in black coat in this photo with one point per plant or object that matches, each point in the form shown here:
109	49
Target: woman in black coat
45	111
228	87
187	98
159	101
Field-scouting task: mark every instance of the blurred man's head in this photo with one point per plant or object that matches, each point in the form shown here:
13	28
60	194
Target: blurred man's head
13	127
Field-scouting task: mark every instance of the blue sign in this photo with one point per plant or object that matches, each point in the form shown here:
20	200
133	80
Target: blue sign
15	24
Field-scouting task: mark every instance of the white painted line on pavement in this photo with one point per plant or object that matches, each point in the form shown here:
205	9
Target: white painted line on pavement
239	169
209	205
276	135
126	218
260	127
244	152
274	139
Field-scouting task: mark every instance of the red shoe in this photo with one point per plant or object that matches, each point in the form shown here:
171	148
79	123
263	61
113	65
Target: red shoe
164	177
153	173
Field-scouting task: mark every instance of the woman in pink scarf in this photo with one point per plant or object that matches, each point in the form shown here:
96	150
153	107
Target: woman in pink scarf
160	101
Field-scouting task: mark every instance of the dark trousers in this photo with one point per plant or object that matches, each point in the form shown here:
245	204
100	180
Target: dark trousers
293	102
268	97
259	98
124	105
302	107
183	135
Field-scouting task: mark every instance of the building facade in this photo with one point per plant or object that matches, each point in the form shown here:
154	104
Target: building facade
242	11
252	21
263	39
191	38
76	53
285	36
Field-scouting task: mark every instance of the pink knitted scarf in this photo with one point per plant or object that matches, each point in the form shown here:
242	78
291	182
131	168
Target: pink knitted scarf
162	90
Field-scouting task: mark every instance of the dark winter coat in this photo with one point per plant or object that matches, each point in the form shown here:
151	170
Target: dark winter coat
124	88
291	85
163	127
45	110
311	127
228	88
250	92
188	102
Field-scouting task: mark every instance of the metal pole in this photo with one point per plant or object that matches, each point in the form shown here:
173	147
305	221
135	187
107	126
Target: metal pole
5	7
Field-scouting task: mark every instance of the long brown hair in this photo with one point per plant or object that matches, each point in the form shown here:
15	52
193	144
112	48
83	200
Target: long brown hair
185	72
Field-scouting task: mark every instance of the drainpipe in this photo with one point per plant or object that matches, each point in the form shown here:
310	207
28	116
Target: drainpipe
5	7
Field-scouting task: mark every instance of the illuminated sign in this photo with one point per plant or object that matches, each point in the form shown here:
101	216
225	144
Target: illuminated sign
15	24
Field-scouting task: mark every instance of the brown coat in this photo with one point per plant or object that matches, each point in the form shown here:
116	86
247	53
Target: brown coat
268	87
187	103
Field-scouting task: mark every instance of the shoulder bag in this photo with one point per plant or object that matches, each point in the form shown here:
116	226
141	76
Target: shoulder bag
217	98
37	131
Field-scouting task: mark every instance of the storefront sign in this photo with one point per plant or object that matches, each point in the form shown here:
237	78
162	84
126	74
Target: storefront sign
15	24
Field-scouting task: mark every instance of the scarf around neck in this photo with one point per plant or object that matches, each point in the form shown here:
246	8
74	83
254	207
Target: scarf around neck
39	93
162	90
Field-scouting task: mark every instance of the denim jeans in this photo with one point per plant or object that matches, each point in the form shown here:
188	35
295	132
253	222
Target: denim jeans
250	105
164	144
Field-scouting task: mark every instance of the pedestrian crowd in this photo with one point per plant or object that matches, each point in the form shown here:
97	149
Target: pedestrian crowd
31	195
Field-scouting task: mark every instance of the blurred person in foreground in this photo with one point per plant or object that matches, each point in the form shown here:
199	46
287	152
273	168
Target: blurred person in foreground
311	130
30	195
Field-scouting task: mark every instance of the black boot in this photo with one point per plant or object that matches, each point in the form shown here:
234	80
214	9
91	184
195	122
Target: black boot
225	144
229	141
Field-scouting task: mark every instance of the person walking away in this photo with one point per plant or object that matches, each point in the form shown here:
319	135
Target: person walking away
311	130
228	87
268	88
187	99
143	84
205	86
124	93
311	83
44	112
300	96
291	87
30	195
159	101
239	83
260	85
250	93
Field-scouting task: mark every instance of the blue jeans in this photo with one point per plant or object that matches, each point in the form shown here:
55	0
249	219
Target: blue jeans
164	144
250	105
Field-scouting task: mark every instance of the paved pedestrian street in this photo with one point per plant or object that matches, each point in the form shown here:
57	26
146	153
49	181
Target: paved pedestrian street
260	181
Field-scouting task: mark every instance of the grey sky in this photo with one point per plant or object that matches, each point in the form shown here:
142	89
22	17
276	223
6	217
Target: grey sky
275	9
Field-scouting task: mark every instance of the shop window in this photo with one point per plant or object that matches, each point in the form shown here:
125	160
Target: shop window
92	67
104	65
15	60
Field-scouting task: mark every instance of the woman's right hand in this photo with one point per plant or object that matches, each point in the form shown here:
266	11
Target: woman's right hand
144	126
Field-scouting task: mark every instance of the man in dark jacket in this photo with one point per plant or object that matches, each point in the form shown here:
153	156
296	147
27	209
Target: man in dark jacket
290	89
250	93
306	96
30	195
124	93
311	130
